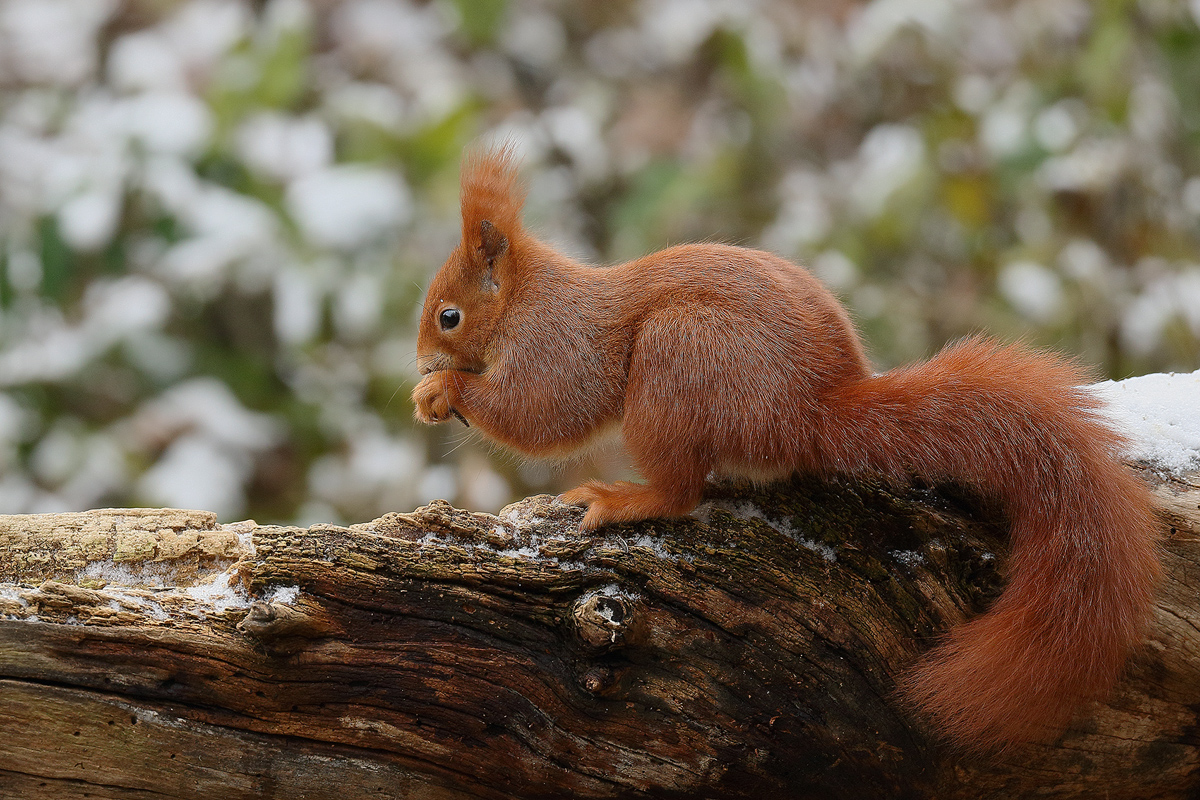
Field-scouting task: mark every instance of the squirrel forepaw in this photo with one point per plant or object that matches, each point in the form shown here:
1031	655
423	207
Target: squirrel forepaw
431	400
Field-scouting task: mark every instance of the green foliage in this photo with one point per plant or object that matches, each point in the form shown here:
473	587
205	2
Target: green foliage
58	262
479	20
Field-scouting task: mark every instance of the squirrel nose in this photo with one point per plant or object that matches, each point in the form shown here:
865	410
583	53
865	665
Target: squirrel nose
424	369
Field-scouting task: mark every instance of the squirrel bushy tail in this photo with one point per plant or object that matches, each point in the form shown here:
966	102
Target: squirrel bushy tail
1018	426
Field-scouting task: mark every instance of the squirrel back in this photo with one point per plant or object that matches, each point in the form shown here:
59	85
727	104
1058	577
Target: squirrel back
721	359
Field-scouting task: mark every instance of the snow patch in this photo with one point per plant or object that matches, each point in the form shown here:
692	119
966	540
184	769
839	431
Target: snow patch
123	600
1160	417
9	593
220	595
612	590
244	531
909	558
745	510
530	548
283	595
657	546
528	539
155	575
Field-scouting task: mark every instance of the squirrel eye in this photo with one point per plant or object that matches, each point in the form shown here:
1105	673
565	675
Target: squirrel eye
449	318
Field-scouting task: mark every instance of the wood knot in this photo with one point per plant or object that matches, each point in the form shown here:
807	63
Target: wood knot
272	621
598	680
606	621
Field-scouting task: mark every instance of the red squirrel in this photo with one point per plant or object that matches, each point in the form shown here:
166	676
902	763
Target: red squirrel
714	359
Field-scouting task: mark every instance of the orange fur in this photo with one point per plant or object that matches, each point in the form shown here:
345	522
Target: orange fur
720	359
490	191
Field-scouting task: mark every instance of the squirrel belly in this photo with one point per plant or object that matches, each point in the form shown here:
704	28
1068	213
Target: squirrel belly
719	358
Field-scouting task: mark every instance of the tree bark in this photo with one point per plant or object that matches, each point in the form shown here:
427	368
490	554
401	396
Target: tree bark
751	652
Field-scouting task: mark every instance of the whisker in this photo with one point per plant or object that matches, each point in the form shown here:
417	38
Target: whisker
424	298
393	397
466	436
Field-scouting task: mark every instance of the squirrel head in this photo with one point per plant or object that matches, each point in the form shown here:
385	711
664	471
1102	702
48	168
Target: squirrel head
469	294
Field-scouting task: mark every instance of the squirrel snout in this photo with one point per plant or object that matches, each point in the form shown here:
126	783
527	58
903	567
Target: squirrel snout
433	362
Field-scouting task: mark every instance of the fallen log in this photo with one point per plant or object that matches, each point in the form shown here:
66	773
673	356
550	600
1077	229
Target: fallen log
750	652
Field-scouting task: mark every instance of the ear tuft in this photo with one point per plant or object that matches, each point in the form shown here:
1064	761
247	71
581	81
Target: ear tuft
491	199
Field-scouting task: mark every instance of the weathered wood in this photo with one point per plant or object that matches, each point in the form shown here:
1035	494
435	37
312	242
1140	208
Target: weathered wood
751	652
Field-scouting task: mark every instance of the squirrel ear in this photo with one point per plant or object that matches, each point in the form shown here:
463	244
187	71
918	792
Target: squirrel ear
493	244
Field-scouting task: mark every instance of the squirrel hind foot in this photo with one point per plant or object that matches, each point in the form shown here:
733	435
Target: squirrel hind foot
609	503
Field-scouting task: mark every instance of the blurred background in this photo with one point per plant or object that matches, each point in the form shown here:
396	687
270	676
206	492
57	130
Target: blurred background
217	218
